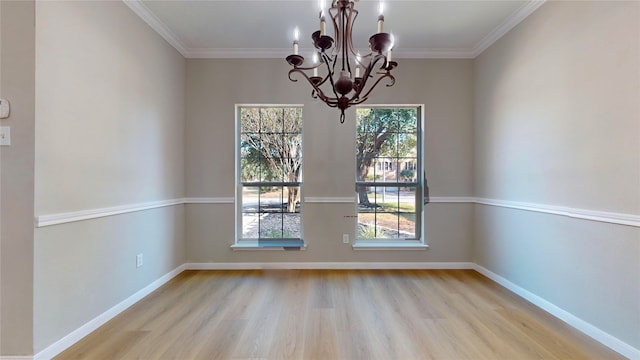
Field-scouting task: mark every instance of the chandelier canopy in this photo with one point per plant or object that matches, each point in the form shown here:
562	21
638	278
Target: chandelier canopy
335	59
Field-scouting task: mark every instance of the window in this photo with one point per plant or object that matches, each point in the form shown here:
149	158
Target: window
389	205
270	176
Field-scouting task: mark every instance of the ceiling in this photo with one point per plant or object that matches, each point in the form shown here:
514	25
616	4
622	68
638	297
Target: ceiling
264	28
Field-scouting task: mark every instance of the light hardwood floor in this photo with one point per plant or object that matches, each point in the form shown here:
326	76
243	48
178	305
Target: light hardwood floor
335	314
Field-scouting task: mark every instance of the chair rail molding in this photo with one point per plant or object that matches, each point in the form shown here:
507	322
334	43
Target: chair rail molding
67	217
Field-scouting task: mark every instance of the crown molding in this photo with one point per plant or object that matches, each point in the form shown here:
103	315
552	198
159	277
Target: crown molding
138	7
283	53
240	53
516	18
434	53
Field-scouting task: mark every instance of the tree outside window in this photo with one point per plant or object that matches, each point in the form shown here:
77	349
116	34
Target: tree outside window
386	140
270	168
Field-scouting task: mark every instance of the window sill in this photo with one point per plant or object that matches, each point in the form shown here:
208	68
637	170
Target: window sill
253	246
389	245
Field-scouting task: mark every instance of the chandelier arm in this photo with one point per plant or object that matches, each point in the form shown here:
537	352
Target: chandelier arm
291	72
367	75
387	75
344	35
319	91
307	67
358	101
334	62
334	15
318	94
329	101
348	34
353	15
330	74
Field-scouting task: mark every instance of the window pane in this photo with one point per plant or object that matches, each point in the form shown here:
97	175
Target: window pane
249	120
385	170
387	225
390	147
293	120
387	199
250	225
292	199
271	120
250	199
291	158
366	225
389	137
407	169
270	153
291	226
271	226
272	172
407	145
407	199
366	198
408	225
270	199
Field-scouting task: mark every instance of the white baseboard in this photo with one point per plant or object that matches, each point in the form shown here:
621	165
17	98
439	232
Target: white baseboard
64	343
330	265
595	333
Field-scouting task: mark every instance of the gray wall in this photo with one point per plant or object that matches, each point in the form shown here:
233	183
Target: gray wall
16	176
215	86
109	132
557	122
547	115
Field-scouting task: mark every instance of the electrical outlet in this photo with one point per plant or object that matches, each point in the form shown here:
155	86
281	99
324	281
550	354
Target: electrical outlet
5	135
139	260
345	238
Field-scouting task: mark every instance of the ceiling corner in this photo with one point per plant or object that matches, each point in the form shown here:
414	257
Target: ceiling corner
516	18
140	9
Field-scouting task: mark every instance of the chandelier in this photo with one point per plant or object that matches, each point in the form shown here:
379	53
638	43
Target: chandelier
335	58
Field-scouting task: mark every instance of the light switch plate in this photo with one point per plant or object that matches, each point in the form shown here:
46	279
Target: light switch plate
5	135
4	109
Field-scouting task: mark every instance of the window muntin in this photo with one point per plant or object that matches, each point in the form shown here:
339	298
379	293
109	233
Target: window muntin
388	175
270	175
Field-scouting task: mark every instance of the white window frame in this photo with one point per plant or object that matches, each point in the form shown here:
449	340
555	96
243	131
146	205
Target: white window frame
419	243
241	243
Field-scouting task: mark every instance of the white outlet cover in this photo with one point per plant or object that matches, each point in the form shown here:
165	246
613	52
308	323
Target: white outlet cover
5	135
4	109
345	238
139	261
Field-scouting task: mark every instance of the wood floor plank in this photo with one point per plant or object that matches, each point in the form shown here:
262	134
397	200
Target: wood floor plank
335	314
255	342
320	340
289	342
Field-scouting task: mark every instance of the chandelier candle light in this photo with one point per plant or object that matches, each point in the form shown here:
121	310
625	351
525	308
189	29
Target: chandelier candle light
344	91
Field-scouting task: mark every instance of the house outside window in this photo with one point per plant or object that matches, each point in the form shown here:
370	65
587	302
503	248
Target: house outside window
269	176
388	174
